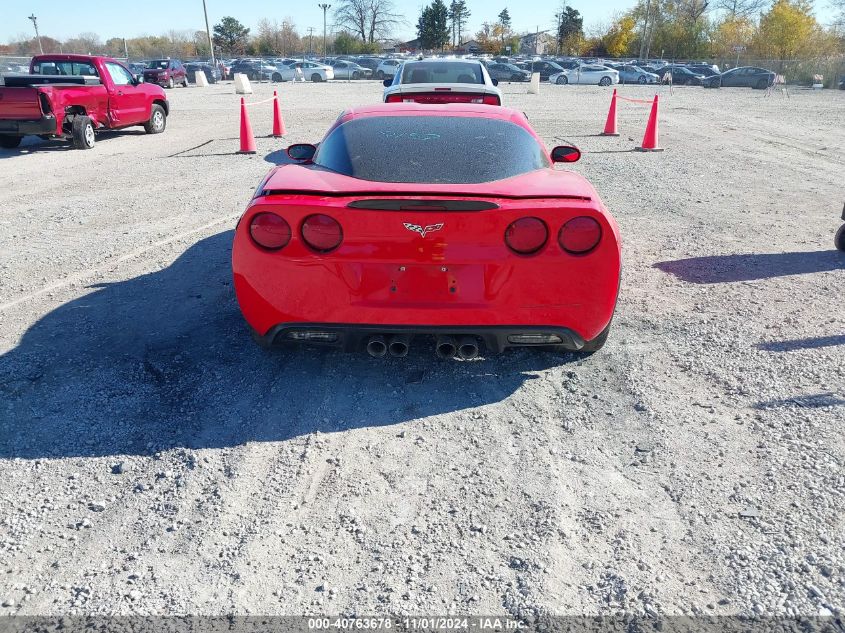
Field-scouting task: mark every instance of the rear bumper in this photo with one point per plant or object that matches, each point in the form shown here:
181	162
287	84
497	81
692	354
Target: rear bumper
354	337
44	125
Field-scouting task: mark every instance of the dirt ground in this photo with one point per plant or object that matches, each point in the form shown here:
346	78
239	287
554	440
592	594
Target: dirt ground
154	460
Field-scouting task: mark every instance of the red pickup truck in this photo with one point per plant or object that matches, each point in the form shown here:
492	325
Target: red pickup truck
74	96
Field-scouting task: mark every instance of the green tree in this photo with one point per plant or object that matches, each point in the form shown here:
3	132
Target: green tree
433	26
504	26
230	36
570	27
458	15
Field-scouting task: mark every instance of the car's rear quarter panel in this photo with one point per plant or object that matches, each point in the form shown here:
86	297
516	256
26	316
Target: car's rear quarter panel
462	274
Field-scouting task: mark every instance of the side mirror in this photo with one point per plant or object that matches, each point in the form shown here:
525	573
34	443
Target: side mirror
139	79
566	154
302	151
387	83
495	82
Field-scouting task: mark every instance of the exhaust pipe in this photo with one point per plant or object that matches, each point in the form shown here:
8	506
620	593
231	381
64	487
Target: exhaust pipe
376	347
446	347
398	345
467	347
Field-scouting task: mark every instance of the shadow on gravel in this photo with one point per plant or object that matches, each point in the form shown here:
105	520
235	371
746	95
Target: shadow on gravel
164	360
33	144
815	401
279	157
802	343
716	269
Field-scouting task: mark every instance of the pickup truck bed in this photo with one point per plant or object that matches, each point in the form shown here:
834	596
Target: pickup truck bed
22	81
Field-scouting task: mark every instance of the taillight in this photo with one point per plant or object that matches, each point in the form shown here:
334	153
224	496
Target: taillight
269	231
526	235
487	100
394	99
322	233
580	235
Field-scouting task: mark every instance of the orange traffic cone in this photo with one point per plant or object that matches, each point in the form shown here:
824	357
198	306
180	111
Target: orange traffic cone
650	138
278	122
610	125
247	139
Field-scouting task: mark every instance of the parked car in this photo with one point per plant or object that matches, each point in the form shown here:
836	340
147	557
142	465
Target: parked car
345	69
166	72
258	70
212	73
708	70
368	62
507	72
681	76
495	254
545	68
387	68
436	80
630	74
842	84
312	71
73	97
742	77
592	74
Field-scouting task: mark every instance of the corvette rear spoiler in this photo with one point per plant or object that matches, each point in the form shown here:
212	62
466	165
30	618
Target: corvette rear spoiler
415	194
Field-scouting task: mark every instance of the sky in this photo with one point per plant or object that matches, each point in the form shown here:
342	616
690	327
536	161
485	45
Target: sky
153	17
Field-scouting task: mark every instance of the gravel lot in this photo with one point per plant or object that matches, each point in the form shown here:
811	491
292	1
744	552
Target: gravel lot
154	460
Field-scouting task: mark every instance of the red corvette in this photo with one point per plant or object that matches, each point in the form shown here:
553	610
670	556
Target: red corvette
447	222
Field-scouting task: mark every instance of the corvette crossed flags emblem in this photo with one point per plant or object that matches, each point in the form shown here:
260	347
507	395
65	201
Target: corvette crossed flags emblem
416	228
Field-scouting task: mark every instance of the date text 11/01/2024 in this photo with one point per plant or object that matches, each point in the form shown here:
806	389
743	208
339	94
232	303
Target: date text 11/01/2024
492	623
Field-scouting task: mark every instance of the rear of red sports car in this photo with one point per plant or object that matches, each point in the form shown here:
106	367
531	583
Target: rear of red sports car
445	222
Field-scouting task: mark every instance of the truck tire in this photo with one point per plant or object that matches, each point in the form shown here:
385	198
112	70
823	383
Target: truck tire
9	142
82	132
158	120
839	240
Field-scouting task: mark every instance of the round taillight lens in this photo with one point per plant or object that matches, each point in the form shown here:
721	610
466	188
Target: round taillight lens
269	231
322	233
580	235
526	235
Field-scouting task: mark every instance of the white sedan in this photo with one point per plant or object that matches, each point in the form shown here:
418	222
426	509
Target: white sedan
587	74
312	71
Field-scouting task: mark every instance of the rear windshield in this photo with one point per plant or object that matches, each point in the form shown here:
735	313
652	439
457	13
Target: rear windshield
424	149
49	67
158	63
442	72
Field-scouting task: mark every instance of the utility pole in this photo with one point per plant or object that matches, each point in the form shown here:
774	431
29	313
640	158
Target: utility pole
125	50
37	36
311	41
208	32
324	7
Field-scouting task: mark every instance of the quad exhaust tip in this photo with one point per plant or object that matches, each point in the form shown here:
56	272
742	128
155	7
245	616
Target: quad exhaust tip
399	345
467	347
377	347
446	347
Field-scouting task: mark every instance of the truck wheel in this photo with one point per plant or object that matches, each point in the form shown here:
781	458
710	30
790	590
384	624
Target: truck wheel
158	120
82	131
839	240
10	142
170	83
